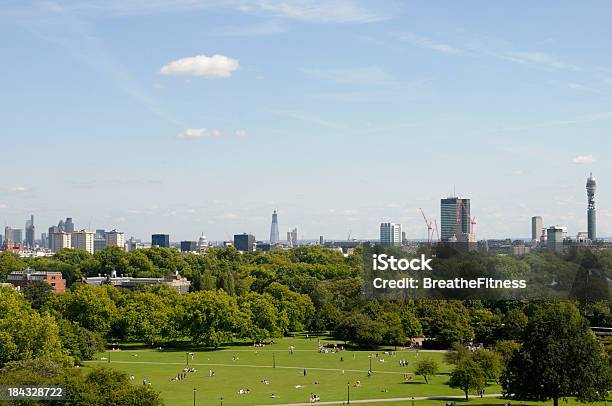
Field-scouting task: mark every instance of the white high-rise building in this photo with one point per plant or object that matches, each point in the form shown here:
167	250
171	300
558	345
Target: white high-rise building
83	240
60	240
115	238
536	228
391	234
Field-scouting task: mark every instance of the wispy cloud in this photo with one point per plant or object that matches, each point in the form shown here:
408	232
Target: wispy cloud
365	75
242	133
584	119
584	159
310	11
213	67
429	43
310	119
536	58
193	133
60	25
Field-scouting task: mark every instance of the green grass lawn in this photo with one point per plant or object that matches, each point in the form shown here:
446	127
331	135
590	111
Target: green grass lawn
244	367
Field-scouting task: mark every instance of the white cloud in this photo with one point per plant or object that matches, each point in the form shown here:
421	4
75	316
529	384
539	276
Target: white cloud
537	58
242	133
18	189
192	133
429	43
214	67
3	206
584	159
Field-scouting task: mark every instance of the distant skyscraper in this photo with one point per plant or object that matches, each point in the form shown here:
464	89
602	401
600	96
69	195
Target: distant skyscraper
189	246
390	234
69	225
554	237
60	240
16	235
591	187
83	240
450	209
50	240
244	242
274	238
321	240
115	238
8	235
536	228
161	240
30	232
99	240
292	237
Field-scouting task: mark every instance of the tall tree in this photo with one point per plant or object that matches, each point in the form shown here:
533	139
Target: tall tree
560	357
467	376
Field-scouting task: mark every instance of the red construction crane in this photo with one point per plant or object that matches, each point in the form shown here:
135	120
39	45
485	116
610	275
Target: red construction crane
429	228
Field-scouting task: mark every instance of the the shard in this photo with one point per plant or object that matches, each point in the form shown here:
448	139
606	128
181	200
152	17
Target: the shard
274	238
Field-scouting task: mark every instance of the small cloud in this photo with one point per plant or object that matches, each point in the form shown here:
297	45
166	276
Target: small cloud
157	86
241	133
3	206
584	159
18	189
192	133
213	67
518	172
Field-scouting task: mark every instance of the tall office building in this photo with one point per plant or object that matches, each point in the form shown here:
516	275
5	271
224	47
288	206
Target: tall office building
83	240
536	228
189	246
244	242
274	237
69	225
554	238
161	240
16	236
30	232
115	238
292	237
591	187
390	234
52	230
60	240
99	240
451	210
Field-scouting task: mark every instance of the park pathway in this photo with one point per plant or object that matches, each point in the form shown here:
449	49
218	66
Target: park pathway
248	366
343	402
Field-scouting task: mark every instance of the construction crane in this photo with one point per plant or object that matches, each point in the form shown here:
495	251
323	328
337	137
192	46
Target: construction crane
429	228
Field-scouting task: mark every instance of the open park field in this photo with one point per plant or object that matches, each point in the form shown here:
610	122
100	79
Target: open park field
331	376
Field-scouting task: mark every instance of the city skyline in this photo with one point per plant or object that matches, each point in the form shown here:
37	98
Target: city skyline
310	97
444	216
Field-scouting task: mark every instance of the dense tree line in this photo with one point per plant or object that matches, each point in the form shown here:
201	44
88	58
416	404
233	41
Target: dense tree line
258	296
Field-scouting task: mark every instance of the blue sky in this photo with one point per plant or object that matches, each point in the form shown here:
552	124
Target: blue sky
192	116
